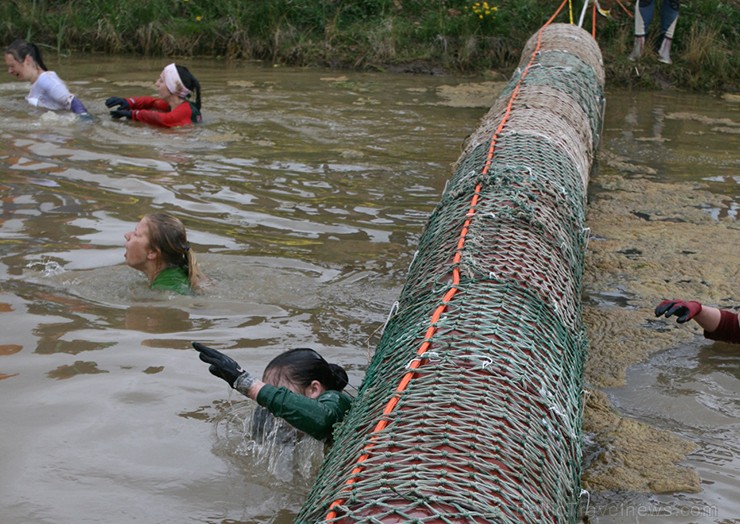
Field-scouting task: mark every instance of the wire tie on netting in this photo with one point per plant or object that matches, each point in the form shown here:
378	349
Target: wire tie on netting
413	259
544	393
567	69
489	362
585	394
588	498
431	356
391	313
526	168
586	231
556	409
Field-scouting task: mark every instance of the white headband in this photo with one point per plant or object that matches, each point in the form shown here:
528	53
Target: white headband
173	82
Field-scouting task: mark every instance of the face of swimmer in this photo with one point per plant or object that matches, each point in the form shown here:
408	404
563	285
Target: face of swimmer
23	70
138	246
162	87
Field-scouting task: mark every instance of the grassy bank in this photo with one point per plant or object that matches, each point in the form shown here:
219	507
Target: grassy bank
421	35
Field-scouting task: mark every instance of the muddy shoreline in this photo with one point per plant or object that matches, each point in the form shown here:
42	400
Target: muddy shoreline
650	240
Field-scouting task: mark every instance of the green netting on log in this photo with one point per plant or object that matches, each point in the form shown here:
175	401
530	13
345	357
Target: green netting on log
470	410
572	77
560	37
538	164
538	174
487	446
509	240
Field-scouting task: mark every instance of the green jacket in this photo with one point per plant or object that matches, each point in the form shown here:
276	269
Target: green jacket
172	279
313	416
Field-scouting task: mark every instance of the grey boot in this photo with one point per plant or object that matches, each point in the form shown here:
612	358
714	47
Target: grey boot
637	50
664	52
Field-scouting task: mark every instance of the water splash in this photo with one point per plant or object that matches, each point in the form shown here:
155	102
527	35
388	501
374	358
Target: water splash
265	443
48	268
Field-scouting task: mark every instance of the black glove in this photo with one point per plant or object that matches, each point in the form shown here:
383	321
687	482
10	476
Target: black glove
225	368
684	310
122	103
121	113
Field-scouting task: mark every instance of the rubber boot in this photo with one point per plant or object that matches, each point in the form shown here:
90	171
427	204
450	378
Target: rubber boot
637	50
664	52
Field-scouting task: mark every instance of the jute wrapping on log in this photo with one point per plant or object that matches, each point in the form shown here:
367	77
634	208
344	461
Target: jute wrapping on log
471	408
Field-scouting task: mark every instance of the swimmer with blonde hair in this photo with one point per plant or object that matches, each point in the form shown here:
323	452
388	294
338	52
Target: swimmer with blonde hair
158	247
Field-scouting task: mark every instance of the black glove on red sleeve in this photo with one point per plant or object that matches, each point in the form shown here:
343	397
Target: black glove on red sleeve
121	113
685	311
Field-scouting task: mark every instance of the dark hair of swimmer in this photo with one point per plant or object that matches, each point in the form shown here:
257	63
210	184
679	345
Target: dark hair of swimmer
301	366
190	82
20	49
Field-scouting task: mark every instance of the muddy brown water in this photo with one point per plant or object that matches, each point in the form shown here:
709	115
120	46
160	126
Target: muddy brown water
304	193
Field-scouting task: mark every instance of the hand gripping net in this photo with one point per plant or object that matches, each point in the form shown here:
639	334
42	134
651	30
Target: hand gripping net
471	407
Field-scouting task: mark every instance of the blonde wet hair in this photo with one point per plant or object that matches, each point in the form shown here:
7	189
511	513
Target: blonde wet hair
168	236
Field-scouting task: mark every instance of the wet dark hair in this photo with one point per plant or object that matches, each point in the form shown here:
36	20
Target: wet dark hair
168	236
20	49
301	366
189	81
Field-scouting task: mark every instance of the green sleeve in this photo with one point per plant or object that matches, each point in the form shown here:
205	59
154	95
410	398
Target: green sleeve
313	416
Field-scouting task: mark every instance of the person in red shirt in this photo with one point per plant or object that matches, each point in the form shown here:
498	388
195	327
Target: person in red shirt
174	106
718	324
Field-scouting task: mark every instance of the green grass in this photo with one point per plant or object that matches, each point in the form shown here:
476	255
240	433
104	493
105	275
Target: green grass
458	35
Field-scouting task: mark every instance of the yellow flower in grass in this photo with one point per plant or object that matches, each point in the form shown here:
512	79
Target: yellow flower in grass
483	10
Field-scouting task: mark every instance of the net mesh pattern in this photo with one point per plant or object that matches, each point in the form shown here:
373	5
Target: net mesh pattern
470	410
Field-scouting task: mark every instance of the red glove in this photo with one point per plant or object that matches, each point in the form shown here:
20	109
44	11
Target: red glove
685	310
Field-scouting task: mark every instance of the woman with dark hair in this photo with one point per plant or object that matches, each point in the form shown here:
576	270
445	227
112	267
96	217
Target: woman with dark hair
174	107
47	89
298	386
158	247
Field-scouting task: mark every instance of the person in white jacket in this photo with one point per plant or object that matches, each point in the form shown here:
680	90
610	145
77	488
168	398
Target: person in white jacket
48	91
